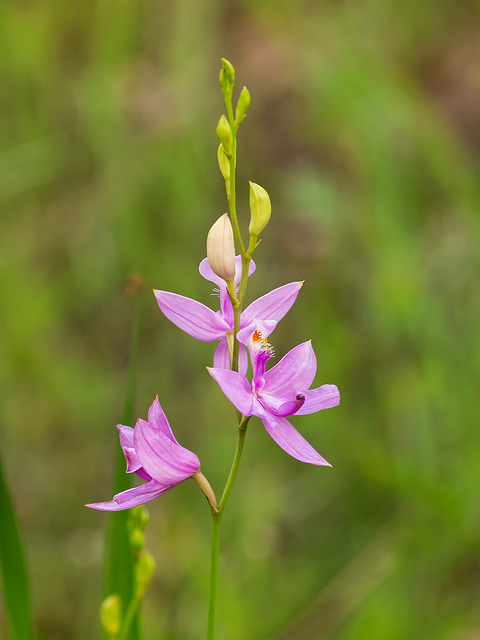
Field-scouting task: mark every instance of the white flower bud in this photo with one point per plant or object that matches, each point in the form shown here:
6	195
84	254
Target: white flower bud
260	209
221	248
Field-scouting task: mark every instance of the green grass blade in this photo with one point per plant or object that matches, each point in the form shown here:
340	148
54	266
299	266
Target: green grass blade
13	569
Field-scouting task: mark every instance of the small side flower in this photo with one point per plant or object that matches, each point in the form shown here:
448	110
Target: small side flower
153	453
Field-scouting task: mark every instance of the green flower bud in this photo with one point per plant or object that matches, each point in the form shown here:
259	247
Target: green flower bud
242	106
227	75
143	518
221	248
223	163
224	133
260	209
144	572
137	541
111	615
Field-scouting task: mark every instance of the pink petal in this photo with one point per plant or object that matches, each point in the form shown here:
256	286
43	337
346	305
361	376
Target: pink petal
273	305
293	374
158	420
242	360
165	461
208	274
126	442
288	438
263	327
323	397
221	358
132	497
236	387
191	316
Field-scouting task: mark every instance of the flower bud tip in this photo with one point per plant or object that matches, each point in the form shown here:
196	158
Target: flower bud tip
221	248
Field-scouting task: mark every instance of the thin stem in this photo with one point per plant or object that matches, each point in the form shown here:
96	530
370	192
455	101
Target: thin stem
215	546
231	193
216	520
242	429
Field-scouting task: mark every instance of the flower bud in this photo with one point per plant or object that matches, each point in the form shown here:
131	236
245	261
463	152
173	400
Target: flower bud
144	572
221	248
260	209
224	133
137	541
223	163
111	615
242	106
227	77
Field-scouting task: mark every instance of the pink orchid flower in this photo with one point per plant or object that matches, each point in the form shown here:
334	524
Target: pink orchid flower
153	453
281	392
203	323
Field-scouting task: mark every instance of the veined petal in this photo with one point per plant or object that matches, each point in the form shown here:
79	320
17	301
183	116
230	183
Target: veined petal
132	497
236	387
207	272
128	448
221	358
242	359
191	316
158	420
165	461
293	374
273	305
226	308
323	397
291	441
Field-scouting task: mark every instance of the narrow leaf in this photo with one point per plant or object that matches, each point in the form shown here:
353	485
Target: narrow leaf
13	569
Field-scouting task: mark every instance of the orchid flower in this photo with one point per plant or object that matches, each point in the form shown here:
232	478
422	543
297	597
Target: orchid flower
153	453
280	392
204	324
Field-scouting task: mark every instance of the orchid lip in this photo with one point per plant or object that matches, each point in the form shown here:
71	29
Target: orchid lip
287	408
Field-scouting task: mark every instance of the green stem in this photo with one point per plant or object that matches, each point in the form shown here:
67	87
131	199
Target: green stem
231	193
212	603
237	303
216	520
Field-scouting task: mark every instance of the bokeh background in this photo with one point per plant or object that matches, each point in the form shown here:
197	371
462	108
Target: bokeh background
365	129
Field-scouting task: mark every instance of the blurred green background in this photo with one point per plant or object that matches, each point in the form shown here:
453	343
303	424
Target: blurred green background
364	128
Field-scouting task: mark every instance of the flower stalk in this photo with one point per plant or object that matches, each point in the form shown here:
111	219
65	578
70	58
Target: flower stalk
216	521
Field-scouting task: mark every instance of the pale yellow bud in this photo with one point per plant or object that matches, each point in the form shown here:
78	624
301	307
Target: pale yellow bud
223	163
144	572
111	615
221	248
242	105
260	209
224	133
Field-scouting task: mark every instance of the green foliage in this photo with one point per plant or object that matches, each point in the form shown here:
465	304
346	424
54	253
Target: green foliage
364	130
13	569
